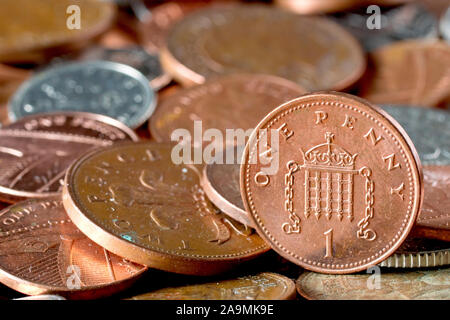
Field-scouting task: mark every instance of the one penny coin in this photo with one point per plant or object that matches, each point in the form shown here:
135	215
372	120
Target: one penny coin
342	188
41	252
135	201
263	286
414	285
408	72
221	104
314	52
36	150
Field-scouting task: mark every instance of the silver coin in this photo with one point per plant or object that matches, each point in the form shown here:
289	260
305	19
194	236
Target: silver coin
429	129
103	87
444	25
409	21
133	56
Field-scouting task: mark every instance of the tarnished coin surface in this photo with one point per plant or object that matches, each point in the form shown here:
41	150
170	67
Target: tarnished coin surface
419	253
221	184
133	56
263	286
409	72
399	23
41	252
314	52
342	188
237	101
103	87
429	129
134	201
29	27
36	150
413	285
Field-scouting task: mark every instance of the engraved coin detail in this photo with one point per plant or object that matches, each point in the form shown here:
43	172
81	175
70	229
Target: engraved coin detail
348	187
133	200
41	251
414	285
263	286
314	52
103	87
36	150
429	129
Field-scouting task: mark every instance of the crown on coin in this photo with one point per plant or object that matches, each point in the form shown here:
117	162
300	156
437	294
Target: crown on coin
329	154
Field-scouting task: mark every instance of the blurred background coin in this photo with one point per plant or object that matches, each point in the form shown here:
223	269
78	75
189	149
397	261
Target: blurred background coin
262	286
314	52
411	72
30	31
221	184
42	252
399	23
412	285
103	87
135	201
36	150
429	129
237	101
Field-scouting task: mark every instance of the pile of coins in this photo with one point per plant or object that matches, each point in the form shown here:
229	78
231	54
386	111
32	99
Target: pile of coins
225	149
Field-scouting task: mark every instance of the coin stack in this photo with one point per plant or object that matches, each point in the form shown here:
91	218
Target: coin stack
225	149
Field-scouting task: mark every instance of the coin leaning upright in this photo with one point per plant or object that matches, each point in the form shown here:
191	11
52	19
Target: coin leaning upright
347	188
135	201
315	53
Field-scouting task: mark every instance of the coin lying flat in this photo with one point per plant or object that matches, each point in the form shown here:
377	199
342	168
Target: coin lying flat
315	52
136	57
220	104
41	252
399	23
409	72
429	129
414	285
28	27
36	150
419	253
103	87
263	286
134	201
344	181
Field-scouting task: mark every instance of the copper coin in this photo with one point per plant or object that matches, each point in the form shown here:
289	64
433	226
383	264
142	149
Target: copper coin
419	253
414	285
221	184
317	6
221	103
36	150
41	252
314	52
409	72
341	190
134	201
28	26
262	286
434	218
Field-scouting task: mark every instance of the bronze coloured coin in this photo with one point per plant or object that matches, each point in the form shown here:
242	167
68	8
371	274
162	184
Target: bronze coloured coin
221	184
263	286
342	188
414	285
135	201
28	27
409	72
36	150
41	252
221	103
314	52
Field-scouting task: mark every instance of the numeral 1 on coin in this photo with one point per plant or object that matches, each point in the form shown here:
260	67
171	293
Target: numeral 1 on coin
328	243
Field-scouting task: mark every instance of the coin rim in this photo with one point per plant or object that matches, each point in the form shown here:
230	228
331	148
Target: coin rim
410	154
